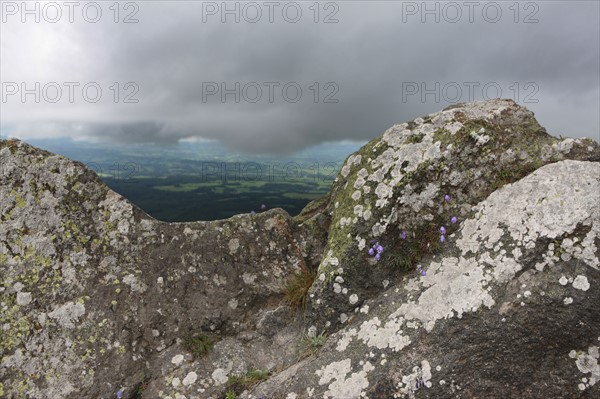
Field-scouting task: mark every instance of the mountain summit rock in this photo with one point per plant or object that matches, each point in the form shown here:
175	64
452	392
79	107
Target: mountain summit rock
482	280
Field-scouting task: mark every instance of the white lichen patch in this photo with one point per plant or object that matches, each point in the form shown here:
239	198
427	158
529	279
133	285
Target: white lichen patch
330	260
177	359
24	298
234	245
453	127
249	278
455	286
337	288
190	378
358	210
67	314
361	243
563	280
345	339
135	284
581	283
587	363
373	334
564	197
420	377
480	137
342	385
219	376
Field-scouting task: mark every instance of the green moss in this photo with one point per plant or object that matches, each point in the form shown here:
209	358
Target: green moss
509	174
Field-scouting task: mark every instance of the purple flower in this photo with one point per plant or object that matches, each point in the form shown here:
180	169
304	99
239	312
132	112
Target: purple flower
371	251
252	212
120	393
442	238
454	219
263	207
423	273
379	249
442	230
377	257
403	235
447	198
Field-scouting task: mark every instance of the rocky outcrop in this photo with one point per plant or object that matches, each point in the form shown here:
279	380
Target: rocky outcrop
97	295
508	308
396	185
97	298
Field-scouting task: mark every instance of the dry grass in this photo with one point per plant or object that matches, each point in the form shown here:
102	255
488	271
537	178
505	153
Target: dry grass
297	288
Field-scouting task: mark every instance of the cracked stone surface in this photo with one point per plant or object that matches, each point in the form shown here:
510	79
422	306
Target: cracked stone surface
96	296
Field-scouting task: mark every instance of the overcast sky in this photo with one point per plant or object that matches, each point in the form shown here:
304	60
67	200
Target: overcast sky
366	68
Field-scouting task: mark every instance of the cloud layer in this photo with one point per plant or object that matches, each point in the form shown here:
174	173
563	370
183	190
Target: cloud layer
194	75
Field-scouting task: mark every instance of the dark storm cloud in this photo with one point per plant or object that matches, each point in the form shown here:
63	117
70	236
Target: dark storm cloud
364	62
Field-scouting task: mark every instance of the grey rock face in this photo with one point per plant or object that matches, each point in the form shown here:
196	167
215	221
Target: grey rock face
397	183
510	307
96	296
95	292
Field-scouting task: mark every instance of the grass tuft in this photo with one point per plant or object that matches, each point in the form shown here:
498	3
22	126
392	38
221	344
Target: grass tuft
238	384
198	344
311	345
296	290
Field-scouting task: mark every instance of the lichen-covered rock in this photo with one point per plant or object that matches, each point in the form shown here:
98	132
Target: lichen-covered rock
392	192
509	307
96	297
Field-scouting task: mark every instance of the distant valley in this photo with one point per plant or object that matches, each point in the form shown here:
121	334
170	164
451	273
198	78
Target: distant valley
203	180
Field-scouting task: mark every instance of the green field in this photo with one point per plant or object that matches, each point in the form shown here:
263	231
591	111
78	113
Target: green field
203	181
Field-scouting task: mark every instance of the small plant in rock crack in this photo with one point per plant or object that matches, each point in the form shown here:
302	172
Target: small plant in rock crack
309	345
375	251
296	289
198	344
453	220
238	384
